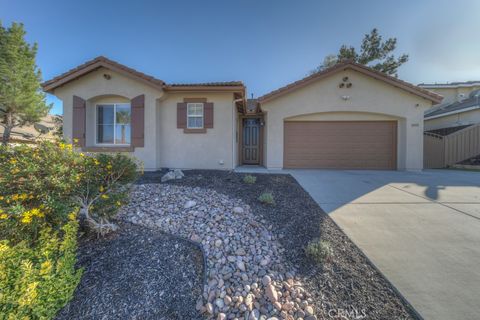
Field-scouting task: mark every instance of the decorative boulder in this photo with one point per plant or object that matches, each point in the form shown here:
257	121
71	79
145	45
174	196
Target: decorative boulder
168	176
178	174
172	175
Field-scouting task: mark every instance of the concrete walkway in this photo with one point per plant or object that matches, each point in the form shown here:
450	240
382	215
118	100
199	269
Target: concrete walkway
422	230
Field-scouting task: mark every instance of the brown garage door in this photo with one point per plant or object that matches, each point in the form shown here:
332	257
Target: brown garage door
340	144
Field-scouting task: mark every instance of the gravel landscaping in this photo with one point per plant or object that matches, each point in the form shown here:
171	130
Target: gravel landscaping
349	285
247	273
255	264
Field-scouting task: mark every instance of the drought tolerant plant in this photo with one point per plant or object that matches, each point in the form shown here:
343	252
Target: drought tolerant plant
266	198
37	184
40	187
319	250
36	281
249	179
41	184
103	188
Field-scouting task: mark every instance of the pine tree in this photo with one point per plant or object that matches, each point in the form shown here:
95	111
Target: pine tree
22	101
374	52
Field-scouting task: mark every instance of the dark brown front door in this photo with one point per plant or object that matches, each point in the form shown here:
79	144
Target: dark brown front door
251	141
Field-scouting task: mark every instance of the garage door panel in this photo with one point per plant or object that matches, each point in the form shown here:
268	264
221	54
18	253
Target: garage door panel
340	144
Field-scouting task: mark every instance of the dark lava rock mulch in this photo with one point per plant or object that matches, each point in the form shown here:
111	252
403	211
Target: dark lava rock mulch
350	285
137	273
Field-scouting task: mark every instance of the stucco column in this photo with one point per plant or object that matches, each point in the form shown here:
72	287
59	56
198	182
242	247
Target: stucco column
414	142
274	125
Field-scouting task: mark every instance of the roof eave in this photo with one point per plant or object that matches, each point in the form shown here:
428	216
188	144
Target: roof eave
433	97
99	62
173	89
445	114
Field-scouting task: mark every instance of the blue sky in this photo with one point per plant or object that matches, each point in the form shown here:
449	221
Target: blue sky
266	43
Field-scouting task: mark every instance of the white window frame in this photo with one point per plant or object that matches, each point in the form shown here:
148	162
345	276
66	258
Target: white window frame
196	104
114	123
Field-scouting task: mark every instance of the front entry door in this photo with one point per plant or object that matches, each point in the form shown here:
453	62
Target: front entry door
251	141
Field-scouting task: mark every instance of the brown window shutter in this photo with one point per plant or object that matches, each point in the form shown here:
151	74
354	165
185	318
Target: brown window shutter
79	118
208	115
181	115
138	121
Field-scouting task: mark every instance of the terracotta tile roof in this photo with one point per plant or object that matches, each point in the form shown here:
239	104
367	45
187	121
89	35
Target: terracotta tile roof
101	61
208	84
436	98
94	64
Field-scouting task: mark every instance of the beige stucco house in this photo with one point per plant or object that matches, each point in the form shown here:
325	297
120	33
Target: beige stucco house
346	117
459	108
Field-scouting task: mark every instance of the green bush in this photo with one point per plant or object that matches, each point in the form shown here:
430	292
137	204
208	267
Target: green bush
266	198
41	184
103	187
37	281
249	179
40	187
319	250
37	188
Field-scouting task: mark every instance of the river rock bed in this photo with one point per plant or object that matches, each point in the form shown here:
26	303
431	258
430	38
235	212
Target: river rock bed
347	287
247	274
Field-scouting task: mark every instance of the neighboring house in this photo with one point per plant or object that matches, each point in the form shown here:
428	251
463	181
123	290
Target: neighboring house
348	116
453	91
459	108
44	129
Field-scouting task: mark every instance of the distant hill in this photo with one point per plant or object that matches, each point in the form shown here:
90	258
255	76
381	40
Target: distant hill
29	134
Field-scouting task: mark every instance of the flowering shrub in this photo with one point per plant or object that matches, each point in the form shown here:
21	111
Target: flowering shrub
38	280
40	185
37	185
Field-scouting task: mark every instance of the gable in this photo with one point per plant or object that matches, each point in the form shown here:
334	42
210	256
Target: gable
95	64
365	95
104	82
394	82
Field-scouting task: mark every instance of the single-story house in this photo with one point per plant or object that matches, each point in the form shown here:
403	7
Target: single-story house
460	106
345	117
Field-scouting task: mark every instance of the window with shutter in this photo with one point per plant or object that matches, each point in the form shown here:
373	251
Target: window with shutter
195	115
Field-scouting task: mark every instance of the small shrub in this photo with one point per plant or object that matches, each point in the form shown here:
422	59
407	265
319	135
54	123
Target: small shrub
266	198
37	281
249	179
319	250
103	188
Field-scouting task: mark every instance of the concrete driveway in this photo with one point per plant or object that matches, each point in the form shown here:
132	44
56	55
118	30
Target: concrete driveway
422	230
